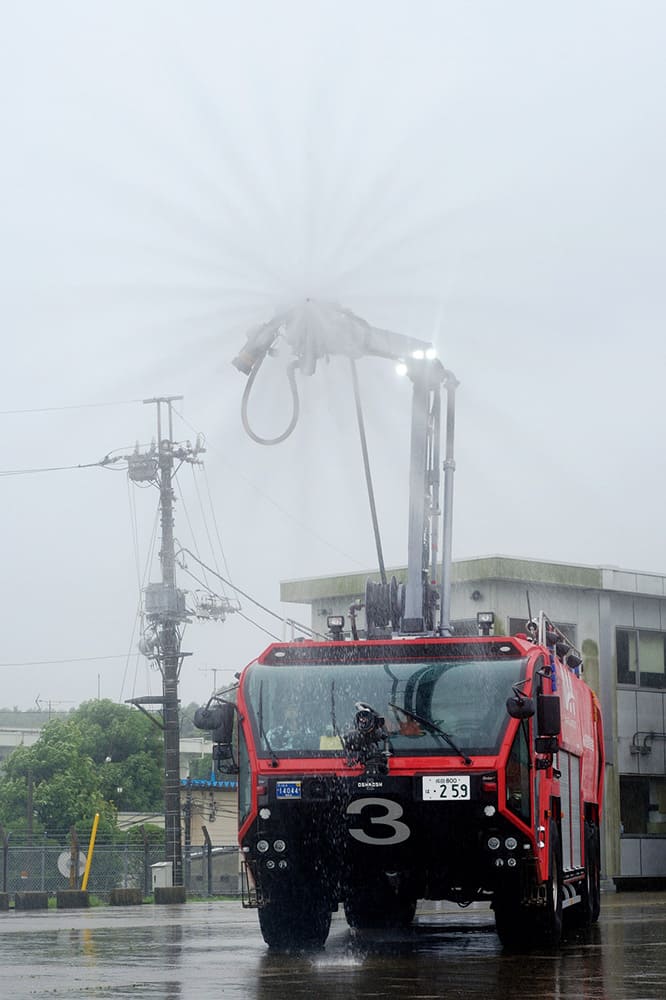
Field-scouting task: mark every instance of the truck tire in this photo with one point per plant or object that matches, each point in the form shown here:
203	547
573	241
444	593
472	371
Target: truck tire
371	908
513	922
591	889
595	872
549	924
292	925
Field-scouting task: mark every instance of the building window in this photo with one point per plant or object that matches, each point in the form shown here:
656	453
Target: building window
642	805
641	657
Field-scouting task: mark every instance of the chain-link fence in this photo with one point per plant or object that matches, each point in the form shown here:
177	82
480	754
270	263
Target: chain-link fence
49	866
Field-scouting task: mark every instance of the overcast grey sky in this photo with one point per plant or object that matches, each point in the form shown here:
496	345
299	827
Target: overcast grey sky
489	176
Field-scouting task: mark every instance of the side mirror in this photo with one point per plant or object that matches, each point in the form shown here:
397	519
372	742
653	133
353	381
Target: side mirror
549	722
219	721
223	756
520	707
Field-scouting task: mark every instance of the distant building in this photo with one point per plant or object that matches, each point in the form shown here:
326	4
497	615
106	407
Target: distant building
617	619
11	737
211	804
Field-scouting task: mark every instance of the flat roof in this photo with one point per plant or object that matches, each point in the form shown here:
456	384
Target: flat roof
506	568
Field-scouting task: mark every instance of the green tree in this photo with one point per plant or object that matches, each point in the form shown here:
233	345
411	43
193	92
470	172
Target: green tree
102	758
128	749
187	727
61	779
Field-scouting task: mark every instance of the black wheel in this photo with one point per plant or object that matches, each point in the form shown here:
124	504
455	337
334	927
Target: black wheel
549	924
595	867
369	908
586	913
514	922
292	925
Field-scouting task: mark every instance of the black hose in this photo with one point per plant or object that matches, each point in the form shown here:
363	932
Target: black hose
291	377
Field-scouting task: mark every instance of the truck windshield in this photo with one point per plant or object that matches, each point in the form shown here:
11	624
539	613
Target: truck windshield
305	709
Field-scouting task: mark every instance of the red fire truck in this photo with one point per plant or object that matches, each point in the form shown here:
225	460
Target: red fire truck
407	763
376	773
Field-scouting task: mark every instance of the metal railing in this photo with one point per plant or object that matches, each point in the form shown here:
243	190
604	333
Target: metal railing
50	865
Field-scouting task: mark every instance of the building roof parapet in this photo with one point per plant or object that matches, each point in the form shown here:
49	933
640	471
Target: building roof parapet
496	567
628	582
305	591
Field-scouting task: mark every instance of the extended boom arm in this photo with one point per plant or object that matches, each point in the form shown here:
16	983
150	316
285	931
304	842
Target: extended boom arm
316	330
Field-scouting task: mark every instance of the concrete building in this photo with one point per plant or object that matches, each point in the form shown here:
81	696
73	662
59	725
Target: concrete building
617	619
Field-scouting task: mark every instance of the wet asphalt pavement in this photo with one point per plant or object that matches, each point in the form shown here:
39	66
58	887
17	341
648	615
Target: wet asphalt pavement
211	950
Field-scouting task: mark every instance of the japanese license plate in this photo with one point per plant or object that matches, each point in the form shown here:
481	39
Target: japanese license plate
288	790
446	787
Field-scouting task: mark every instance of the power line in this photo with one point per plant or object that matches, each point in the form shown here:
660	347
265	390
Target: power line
269	499
217	530
261	628
283	510
189	522
205	522
69	659
280	618
70	406
54	468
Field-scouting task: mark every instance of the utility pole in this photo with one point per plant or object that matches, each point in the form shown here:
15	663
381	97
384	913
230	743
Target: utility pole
166	613
214	671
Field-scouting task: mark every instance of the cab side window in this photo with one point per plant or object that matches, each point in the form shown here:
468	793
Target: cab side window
244	778
518	777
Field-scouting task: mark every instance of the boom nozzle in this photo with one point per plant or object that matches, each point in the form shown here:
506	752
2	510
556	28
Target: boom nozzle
315	330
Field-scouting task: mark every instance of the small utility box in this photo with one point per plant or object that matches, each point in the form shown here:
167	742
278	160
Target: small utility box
162	874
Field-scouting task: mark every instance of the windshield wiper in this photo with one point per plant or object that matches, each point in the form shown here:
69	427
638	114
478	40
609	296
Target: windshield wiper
433	728
262	733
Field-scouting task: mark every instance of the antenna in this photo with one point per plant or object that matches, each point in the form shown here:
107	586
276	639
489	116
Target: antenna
531	627
49	705
214	671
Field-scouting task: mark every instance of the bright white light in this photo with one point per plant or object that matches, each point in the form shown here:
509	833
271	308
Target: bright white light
419	355
431	353
401	368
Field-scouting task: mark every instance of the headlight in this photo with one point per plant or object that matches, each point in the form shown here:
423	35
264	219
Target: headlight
262	846
279	846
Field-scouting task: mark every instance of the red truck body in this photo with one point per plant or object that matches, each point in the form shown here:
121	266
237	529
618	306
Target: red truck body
376	773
